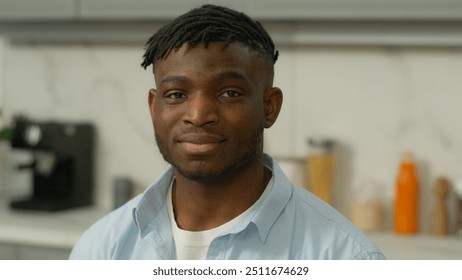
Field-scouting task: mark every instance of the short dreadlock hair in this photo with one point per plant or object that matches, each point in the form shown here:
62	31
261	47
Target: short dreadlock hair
209	23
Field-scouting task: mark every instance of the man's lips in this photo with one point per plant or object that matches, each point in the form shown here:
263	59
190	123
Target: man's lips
200	143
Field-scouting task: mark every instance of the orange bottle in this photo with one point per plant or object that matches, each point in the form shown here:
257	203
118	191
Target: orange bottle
406	196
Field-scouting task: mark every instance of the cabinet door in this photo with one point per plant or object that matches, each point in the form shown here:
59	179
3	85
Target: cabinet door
42	253
37	9
8	251
355	9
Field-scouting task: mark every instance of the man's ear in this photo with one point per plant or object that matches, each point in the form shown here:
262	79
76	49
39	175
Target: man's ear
273	103
152	101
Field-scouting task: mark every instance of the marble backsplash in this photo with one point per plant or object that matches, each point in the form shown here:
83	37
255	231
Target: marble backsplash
373	101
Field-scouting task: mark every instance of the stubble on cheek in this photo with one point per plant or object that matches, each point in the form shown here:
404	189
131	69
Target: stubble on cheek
163	149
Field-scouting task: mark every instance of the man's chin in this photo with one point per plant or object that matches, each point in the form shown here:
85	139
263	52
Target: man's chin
202	175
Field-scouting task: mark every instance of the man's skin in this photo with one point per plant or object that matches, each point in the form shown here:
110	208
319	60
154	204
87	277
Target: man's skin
209	111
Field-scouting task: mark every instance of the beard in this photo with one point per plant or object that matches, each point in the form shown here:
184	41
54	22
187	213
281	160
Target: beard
248	150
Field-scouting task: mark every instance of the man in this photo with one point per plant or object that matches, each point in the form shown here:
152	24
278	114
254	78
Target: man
222	198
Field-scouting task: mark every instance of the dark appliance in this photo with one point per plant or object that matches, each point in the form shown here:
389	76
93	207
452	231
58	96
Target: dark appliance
62	165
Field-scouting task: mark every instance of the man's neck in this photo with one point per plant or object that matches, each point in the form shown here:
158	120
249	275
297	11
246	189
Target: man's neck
201	206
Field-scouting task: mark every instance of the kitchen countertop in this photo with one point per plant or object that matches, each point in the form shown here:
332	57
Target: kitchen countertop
417	247
61	230
45	229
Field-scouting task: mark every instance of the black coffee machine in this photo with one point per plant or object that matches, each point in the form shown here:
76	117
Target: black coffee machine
62	164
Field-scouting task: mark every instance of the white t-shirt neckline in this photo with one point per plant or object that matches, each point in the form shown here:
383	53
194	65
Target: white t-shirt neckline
193	245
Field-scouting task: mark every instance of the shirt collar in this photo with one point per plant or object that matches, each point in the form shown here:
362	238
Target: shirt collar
262	216
265	214
150	206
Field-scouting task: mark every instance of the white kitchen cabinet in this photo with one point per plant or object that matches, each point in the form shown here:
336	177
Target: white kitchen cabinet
291	10
389	10
27	252
295	22
35	235
37	9
8	251
144	9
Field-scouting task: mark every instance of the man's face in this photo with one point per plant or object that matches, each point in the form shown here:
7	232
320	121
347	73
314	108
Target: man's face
209	109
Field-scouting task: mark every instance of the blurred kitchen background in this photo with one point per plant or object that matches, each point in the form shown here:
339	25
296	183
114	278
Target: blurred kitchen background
372	78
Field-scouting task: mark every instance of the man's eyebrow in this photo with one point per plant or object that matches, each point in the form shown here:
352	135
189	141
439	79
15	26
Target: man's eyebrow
174	78
230	74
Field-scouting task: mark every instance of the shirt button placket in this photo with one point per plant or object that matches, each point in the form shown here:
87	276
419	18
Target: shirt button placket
218	248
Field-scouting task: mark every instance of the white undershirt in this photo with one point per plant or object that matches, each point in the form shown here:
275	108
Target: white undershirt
193	245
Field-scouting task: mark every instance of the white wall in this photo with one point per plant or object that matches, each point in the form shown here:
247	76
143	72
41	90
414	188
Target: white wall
373	101
101	84
3	45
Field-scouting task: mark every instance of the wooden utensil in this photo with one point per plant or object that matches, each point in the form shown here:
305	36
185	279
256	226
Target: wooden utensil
439	223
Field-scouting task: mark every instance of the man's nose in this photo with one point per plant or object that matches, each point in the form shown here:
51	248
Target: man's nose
202	110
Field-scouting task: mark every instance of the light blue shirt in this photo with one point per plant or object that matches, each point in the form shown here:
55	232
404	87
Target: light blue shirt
289	223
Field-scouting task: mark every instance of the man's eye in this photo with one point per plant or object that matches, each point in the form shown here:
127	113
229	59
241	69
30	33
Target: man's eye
176	95
231	93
